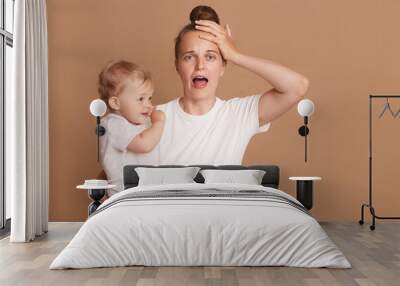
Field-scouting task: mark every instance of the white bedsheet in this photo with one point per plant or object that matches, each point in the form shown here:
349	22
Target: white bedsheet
200	231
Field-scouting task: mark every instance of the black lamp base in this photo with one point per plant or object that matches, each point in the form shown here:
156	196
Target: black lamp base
303	130
100	130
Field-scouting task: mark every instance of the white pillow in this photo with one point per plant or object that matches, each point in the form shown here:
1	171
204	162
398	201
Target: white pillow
248	177
163	176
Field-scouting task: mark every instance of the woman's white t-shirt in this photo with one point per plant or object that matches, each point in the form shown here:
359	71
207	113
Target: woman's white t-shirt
218	137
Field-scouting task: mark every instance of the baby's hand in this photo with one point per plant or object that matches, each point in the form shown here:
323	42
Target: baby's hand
157	115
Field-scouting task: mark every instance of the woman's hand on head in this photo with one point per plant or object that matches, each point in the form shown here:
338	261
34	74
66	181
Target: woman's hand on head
219	35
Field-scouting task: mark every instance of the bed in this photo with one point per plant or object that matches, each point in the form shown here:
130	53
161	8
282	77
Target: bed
201	224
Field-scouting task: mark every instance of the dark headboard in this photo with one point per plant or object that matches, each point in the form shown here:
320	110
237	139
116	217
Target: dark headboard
270	179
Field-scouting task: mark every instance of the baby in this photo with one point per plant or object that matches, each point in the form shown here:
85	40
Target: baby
127	90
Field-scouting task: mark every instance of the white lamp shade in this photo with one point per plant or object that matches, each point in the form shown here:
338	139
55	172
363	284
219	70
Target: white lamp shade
98	107
305	107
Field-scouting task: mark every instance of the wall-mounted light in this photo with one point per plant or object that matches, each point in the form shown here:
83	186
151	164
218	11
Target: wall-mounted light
98	108
305	108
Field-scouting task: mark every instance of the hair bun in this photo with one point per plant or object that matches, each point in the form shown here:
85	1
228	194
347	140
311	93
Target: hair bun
204	13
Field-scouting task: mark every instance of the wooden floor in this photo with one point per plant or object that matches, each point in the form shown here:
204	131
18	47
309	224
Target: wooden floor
375	257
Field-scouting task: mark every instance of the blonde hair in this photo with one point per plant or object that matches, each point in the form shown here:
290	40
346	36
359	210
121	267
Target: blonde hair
113	76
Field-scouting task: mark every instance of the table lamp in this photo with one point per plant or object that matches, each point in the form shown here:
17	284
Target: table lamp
98	108
305	108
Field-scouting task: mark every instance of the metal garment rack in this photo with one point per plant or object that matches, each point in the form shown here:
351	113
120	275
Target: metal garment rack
370	205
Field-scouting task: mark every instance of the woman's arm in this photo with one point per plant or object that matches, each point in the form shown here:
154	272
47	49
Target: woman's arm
145	141
288	86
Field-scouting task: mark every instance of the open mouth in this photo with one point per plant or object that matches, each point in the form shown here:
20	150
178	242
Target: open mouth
199	81
145	113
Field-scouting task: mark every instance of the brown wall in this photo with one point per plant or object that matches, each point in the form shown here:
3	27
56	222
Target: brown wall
348	50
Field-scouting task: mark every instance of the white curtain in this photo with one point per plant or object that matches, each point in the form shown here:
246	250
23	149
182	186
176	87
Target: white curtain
27	124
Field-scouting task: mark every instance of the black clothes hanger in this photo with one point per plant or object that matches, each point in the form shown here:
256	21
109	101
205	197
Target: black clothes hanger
369	205
387	106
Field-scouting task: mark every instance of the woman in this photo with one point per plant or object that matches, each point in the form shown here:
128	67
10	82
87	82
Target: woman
200	128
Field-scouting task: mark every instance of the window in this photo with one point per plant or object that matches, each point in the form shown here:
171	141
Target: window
6	66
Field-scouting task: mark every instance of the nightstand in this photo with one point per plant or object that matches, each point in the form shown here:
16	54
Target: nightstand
96	193
304	190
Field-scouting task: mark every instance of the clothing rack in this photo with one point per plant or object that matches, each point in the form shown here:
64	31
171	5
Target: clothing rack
370	205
